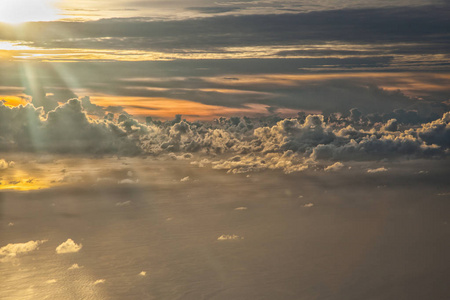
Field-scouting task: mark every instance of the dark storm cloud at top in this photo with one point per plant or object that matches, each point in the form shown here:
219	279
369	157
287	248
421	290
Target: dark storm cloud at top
423	25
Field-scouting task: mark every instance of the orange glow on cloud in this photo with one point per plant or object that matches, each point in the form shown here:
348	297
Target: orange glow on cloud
13	100
412	84
23	185
16	178
166	108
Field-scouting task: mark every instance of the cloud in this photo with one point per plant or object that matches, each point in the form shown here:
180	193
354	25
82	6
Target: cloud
288	161
143	273
99	281
443	194
68	246
307	205
12	250
377	170
51	281
391	125
184	179
241	208
74	267
334	167
227	237
67	129
128	181
193	52
393	24
436	132
236	144
5	165
271	83
214	9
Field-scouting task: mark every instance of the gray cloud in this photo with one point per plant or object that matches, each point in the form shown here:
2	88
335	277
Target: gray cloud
199	81
66	129
214	9
235	144
425	25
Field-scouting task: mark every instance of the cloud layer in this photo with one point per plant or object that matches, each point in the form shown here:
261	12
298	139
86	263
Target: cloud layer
235	144
225	57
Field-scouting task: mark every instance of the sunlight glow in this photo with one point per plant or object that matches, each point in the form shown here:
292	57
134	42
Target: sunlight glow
20	11
23	184
13	101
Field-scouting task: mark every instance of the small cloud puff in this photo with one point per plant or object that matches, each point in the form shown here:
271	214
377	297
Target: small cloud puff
378	170
123	203
308	205
51	281
68	246
143	273
184	179
241	208
74	267
12	250
227	237
5	165
99	281
128	181
334	167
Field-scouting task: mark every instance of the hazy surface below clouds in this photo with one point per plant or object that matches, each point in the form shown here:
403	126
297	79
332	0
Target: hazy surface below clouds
154	229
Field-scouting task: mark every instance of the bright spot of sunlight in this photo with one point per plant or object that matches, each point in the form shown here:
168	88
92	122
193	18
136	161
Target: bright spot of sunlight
20	11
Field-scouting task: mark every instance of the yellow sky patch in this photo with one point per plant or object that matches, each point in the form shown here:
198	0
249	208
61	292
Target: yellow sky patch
14	100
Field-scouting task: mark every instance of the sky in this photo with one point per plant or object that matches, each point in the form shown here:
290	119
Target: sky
248	149
204	60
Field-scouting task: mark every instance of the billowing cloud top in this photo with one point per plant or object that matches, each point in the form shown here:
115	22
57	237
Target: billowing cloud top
236	144
12	250
68	246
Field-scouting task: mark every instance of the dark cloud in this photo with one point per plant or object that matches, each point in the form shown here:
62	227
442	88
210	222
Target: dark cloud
394	39
426	24
214	9
66	129
205	81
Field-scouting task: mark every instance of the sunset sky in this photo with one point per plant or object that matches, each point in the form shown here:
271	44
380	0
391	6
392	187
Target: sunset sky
240	149
204	59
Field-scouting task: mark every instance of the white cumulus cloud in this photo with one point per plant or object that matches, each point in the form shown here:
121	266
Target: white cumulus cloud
99	281
12	250
68	246
5	165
